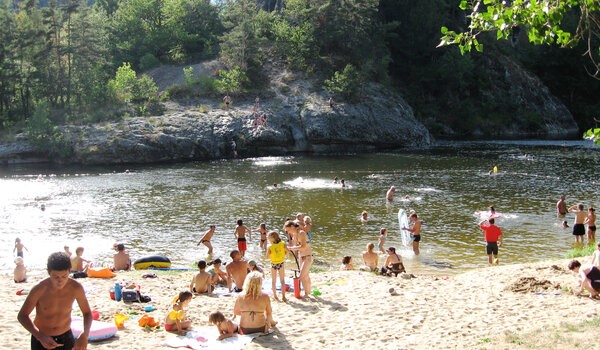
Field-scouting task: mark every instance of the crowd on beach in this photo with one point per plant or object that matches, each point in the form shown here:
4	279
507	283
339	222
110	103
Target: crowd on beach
52	297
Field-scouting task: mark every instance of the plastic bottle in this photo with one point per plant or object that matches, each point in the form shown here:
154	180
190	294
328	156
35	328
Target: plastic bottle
118	294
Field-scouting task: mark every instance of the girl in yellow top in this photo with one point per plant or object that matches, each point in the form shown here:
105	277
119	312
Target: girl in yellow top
276	253
176	317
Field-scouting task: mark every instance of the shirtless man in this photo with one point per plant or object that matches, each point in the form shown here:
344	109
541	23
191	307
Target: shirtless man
370	258
52	300
389	196
121	260
202	282
240	234
561	207
306	259
578	225
590	220
207	237
236	271
415	232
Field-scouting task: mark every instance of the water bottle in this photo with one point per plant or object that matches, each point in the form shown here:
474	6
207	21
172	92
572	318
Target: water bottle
118	294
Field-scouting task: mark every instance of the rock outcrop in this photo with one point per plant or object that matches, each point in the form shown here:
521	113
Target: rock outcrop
301	122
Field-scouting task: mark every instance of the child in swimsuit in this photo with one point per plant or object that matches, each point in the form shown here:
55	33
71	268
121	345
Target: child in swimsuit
19	247
226	327
277	252
382	237
20	273
218	276
590	220
176	319
347	263
308	227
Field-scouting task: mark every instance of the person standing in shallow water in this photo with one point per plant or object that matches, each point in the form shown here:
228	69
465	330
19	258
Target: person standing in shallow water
578	225
561	207
493	239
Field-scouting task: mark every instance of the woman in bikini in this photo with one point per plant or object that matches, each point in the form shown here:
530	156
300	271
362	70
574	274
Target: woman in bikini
253	306
305	256
262	229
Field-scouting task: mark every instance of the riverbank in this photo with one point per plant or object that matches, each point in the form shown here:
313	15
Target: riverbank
490	308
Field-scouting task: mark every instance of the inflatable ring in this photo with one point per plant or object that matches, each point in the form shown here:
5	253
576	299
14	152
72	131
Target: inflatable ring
98	331
157	261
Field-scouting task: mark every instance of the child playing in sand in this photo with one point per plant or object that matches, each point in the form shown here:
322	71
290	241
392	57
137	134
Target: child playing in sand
308	227
240	234
589	277
77	261
276	253
226	327
347	263
218	276
176	318
382	237
19	247
20	273
596	256
202	282
262	229
53	300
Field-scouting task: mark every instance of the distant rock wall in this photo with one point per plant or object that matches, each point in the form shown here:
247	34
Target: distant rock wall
298	124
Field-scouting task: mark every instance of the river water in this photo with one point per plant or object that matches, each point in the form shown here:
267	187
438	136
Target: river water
163	209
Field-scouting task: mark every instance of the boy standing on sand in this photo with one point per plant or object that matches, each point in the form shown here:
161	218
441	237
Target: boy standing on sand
207	237
493	239
19	247
52	300
578	226
240	234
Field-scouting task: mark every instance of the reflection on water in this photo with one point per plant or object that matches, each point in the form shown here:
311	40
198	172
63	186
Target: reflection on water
164	209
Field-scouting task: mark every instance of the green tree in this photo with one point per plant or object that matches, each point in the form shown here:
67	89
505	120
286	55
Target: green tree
128	87
543	21
346	83
232	81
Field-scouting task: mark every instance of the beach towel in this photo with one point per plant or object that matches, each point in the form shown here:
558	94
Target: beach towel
205	338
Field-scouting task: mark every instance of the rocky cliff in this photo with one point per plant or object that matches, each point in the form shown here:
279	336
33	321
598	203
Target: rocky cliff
297	120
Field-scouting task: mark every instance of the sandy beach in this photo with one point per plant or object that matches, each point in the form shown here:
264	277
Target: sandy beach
498	307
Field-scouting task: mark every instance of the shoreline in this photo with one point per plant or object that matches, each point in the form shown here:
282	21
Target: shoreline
479	308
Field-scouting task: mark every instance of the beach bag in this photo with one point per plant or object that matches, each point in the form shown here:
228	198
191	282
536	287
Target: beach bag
131	296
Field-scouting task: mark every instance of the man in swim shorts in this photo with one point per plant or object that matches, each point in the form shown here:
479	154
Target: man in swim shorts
578	225
493	239
240	234
52	300
236	271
